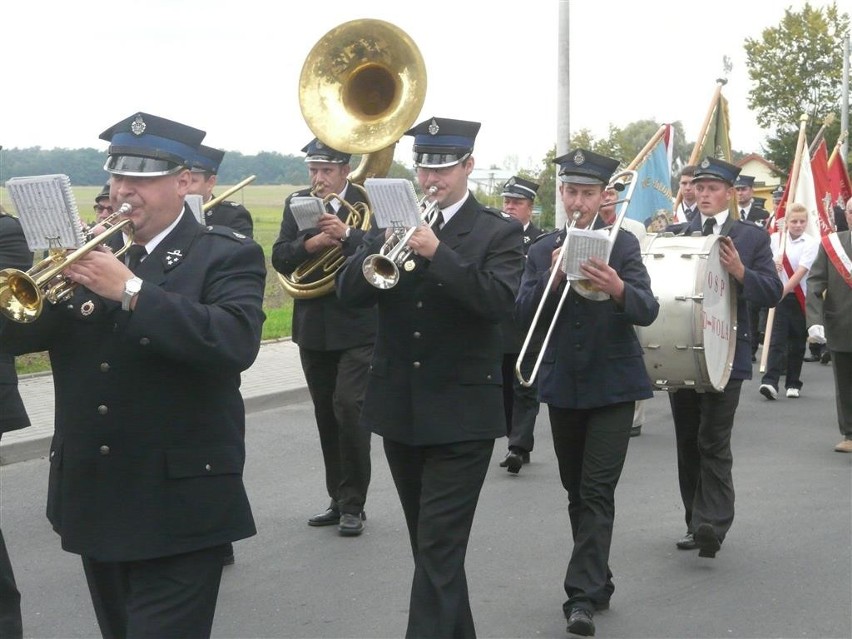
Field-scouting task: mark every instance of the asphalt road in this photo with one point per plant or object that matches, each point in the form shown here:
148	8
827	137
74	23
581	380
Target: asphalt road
785	569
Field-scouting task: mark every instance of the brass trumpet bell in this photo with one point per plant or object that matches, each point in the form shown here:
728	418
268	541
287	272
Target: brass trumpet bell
362	85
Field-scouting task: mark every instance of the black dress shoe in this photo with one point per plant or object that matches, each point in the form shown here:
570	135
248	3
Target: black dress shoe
351	525
687	542
514	460
810	358
330	517
825	358
580	623
635	431
708	542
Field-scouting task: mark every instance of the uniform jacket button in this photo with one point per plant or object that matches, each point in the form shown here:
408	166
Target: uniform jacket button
144	341
208	467
104	450
416	334
103	410
416	364
104	367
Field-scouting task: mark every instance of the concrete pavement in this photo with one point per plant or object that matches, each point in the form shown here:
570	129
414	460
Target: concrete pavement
274	379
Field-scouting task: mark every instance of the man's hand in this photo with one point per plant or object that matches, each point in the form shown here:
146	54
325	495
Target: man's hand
816	334
332	226
730	258
101	272
603	277
424	241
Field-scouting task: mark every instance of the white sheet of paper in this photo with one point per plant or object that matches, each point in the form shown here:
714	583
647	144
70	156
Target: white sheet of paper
47	210
581	245
393	202
196	205
307	210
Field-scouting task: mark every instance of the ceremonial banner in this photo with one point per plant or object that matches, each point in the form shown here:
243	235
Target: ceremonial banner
819	170
839	184
652	196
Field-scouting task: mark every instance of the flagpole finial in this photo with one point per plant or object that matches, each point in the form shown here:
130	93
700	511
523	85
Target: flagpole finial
727	65
804	118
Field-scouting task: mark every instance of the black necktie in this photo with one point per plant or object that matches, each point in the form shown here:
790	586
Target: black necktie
439	221
134	255
742	214
708	226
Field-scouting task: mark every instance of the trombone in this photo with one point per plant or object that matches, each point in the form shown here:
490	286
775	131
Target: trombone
22	294
382	269
582	287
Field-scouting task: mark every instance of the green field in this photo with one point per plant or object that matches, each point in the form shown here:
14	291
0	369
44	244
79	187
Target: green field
265	202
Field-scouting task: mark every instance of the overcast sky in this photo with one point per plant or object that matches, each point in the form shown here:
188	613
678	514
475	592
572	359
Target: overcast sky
72	69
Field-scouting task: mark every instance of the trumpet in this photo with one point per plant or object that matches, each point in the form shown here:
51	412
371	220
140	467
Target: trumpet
582	287
22	294
382	269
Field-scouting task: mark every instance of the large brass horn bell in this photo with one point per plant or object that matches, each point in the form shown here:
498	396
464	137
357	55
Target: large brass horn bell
361	87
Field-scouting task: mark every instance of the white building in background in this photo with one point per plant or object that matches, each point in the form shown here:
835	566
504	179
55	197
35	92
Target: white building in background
488	179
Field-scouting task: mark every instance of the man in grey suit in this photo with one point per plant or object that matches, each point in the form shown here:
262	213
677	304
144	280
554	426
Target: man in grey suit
434	392
829	318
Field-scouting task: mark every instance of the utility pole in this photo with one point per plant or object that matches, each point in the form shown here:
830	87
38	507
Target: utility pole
844	100
563	94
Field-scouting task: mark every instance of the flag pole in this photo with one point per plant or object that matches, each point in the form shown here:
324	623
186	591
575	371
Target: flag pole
647	148
702	136
820	134
782	246
835	152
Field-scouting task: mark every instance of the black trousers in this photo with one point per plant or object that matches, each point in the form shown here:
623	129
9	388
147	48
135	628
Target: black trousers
520	402
11	626
756	324
439	488
787	344
590	446
164	598
703	424
337	381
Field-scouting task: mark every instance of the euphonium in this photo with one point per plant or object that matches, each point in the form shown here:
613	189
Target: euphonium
302	283
22	294
361	87
382	269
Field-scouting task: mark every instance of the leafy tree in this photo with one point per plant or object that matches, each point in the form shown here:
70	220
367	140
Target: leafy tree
797	69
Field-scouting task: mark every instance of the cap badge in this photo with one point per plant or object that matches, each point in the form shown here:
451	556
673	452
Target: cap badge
138	127
705	163
434	128
320	145
579	158
511	182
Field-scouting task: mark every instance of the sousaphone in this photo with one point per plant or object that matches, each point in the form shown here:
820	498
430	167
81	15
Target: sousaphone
361	87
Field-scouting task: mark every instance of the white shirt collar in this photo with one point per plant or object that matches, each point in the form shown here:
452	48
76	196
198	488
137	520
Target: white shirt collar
451	210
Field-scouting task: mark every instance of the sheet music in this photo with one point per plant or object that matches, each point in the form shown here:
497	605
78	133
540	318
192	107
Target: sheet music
581	245
47	210
307	210
393	202
196	205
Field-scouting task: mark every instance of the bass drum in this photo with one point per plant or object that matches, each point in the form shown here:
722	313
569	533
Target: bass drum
692	342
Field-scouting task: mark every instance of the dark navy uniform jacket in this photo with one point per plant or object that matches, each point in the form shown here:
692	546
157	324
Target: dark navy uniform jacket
14	253
513	334
322	323
436	375
761	285
593	358
148	452
232	215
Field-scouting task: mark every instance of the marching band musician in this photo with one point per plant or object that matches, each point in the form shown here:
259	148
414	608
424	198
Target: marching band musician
146	463
704	421
750	208
205	171
591	376
520	402
14	253
335	342
434	392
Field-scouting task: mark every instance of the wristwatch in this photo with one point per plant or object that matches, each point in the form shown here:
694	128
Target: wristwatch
131	288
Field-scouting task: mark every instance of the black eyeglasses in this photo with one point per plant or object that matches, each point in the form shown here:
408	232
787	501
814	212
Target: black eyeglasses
100	207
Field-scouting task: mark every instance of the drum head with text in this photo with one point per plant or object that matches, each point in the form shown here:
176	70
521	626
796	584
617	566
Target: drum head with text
718	319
